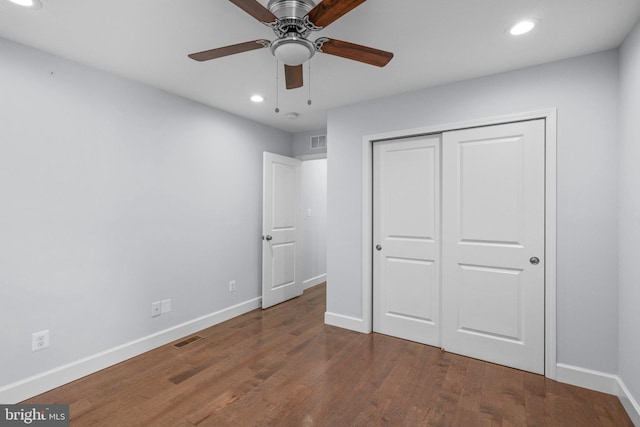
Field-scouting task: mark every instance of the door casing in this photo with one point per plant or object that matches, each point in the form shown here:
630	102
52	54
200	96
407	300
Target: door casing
550	117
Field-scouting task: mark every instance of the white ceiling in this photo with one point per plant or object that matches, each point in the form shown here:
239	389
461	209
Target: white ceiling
434	42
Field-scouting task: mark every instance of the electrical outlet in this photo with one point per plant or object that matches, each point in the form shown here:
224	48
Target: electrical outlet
156	309
40	340
232	286
166	306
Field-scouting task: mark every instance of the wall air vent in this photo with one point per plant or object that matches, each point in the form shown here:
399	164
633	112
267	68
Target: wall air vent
319	141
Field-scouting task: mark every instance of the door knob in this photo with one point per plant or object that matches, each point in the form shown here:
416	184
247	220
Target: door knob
378	247
534	260
267	237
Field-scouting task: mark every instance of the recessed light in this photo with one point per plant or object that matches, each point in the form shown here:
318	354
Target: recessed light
33	4
522	27
257	98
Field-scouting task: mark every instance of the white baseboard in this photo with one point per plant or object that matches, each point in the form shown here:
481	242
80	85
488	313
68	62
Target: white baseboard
37	384
346	322
587	378
314	281
630	404
600	381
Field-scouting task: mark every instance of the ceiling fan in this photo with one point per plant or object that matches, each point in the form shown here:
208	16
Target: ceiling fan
292	21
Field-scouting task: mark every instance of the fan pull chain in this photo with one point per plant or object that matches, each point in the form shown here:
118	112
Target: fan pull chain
309	100
277	110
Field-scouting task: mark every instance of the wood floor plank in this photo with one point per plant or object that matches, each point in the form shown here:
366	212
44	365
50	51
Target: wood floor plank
284	367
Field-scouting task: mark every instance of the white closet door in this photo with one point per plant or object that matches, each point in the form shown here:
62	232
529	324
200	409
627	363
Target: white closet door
493	244
407	239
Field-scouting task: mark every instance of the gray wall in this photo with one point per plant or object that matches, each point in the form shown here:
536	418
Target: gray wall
630	212
314	197
115	195
585	91
302	143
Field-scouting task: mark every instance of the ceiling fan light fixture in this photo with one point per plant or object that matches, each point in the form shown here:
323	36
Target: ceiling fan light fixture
33	4
257	98
292	51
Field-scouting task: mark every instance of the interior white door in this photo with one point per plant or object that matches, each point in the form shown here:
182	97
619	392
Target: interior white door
493	244
407	239
282	254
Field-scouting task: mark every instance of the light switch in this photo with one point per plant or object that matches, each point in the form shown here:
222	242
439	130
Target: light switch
166	306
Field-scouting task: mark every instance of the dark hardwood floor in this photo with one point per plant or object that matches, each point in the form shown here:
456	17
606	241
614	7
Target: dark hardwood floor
284	367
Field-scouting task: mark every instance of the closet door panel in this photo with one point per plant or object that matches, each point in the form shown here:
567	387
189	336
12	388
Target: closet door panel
493	244
407	235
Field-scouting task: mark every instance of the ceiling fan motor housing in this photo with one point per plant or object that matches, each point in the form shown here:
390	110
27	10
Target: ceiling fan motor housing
284	9
291	47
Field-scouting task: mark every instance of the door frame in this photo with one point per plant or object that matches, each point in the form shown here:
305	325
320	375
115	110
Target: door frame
550	117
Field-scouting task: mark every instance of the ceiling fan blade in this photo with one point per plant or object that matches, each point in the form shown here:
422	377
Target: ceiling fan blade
327	11
356	52
293	76
229	50
255	9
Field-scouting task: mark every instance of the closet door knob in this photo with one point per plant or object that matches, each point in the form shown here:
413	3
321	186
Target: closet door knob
378	247
534	260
